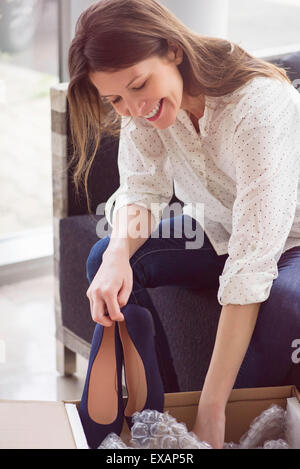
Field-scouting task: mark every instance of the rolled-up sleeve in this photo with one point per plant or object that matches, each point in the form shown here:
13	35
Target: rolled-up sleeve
145	173
266	155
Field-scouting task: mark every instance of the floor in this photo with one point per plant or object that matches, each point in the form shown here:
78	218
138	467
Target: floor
27	344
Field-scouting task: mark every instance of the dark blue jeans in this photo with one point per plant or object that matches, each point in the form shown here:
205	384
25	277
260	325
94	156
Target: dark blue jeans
164	260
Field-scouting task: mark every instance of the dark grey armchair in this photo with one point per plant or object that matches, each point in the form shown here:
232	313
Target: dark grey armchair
186	315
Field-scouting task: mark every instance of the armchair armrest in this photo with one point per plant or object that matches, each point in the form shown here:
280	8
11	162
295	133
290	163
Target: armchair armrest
58	102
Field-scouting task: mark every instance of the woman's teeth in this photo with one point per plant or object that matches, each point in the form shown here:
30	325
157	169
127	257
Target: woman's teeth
154	112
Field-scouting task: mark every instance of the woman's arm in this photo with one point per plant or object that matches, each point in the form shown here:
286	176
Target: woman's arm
235	328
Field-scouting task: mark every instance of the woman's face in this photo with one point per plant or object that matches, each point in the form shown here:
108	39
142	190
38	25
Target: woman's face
154	84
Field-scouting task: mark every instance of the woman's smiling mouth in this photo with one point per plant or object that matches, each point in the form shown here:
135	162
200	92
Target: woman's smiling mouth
155	114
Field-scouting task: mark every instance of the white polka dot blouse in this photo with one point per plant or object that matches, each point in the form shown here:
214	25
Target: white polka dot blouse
239	178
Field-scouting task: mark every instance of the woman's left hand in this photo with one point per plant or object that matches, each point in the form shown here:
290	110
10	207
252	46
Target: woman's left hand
210	426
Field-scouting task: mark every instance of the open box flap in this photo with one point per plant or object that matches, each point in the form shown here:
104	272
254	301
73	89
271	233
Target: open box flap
35	425
76	425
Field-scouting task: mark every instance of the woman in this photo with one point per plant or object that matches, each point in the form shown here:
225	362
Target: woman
224	126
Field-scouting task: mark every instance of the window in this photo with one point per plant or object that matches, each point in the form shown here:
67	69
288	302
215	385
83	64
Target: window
28	67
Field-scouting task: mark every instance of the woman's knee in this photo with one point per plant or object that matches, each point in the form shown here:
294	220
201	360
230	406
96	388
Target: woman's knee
94	259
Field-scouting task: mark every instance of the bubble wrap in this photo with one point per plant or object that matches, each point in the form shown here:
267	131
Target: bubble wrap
269	425
113	441
155	430
267	431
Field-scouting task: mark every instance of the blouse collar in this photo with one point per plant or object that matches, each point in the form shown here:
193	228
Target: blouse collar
203	121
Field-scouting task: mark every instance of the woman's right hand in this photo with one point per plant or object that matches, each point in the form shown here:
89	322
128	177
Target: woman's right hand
110	288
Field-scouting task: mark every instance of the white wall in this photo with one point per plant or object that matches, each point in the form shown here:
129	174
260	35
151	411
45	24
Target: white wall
208	17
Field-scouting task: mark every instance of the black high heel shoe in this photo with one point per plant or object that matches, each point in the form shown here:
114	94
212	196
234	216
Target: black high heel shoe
101	408
142	375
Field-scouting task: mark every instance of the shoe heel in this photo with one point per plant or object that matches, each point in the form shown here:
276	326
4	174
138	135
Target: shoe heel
101	407
142	375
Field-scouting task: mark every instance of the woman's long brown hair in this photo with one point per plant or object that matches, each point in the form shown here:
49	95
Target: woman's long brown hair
114	34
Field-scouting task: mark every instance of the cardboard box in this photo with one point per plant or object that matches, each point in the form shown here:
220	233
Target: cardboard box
50	425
